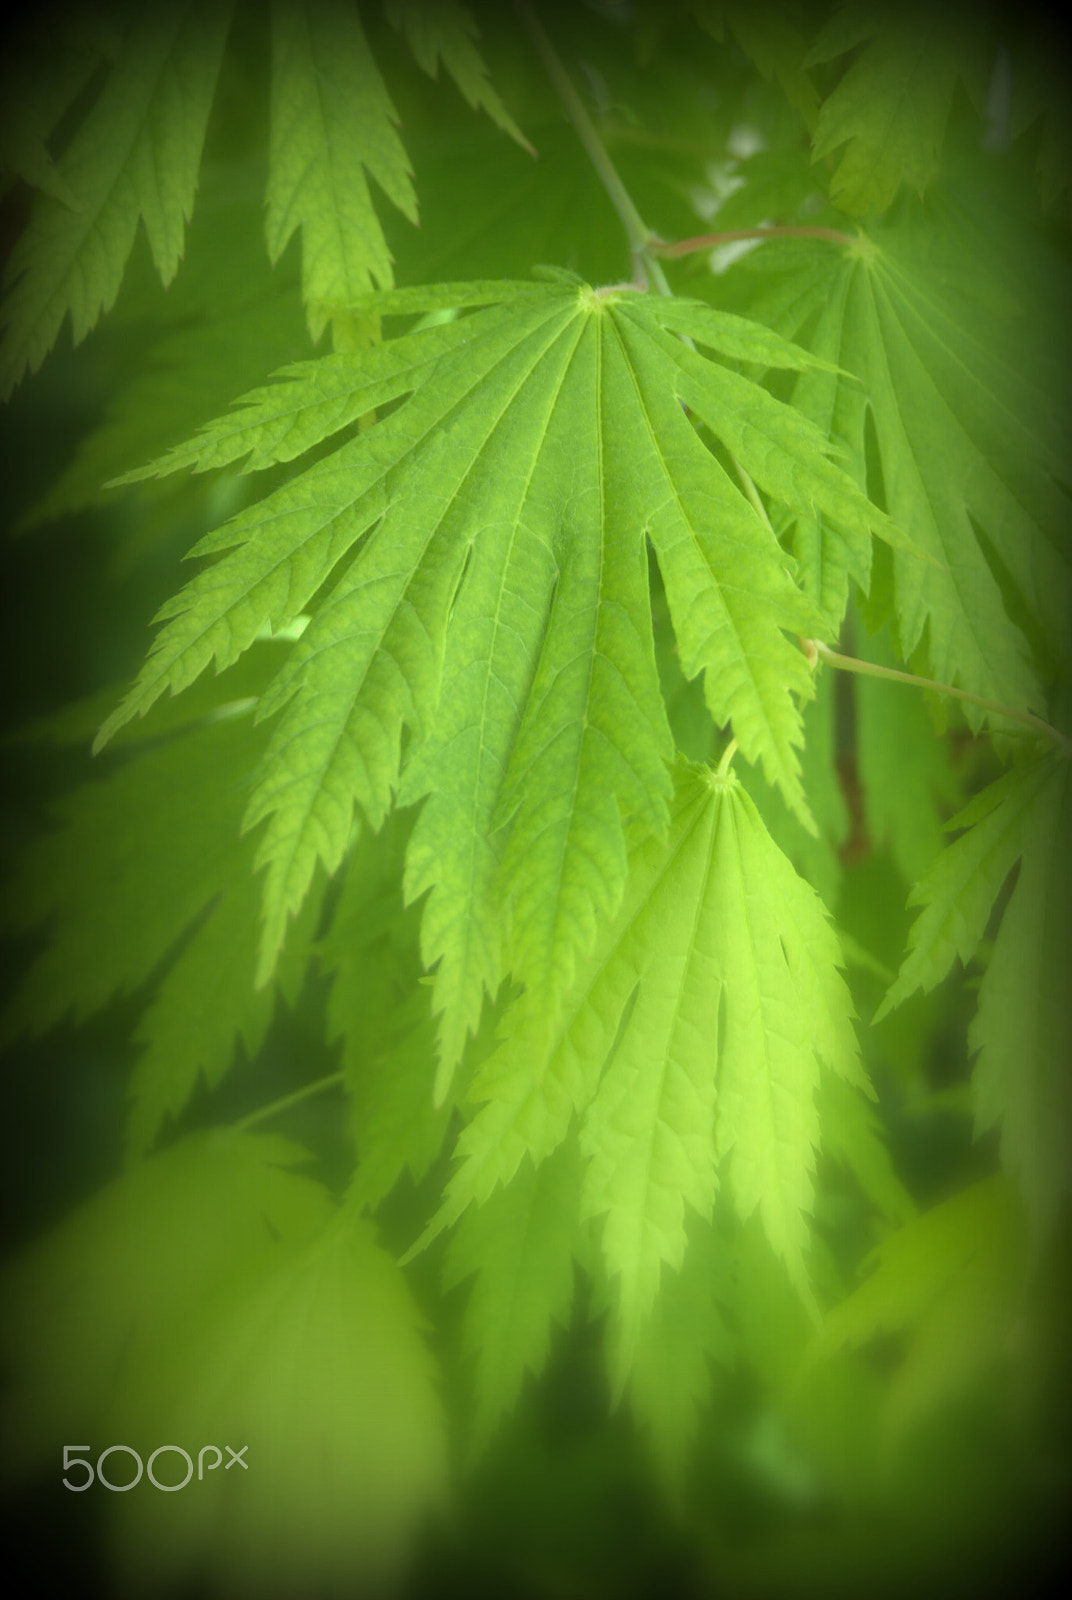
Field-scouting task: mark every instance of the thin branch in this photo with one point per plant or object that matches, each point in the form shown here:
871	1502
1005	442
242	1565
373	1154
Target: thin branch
287	1100
637	230
815	651
708	241
751	493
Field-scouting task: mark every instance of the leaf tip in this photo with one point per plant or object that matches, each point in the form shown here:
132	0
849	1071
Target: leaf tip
438	1224
887	1004
108	729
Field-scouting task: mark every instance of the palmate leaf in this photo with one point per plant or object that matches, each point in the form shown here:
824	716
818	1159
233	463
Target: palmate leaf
332	125
146	877
1022	1032
969	413
48	58
382	1012
771	37
949	1283
504	618
519	1245
135	156
891	106
671	1377
443	30
691	1040
186	350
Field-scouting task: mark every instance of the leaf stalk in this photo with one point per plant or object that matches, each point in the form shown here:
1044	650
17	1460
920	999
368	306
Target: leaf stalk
285	1102
722	770
637	231
709	241
816	651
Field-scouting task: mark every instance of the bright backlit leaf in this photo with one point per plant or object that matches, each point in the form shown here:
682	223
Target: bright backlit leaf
689	1042
519	602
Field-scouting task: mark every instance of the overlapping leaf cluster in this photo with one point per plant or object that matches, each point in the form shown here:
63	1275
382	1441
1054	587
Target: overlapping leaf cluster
136	154
524	542
504	622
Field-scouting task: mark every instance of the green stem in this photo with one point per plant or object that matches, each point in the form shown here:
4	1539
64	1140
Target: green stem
815	650
708	241
637	231
288	1100
752	494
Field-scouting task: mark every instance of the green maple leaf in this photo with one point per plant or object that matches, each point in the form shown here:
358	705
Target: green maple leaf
773	40
136	858
46	65
445	31
968	418
891	106
519	1246
511	562
1022	1032
134	157
147	878
505	619
671	1376
949	1284
382	1012
332	124
690	1042
226	315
